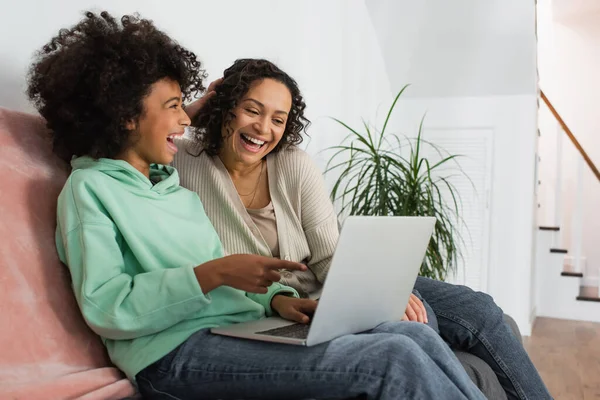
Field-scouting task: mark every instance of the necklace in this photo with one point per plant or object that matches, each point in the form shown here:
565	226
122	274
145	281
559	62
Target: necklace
253	193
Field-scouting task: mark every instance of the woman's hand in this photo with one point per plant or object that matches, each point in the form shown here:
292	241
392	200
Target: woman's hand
294	309
195	106
415	311
247	272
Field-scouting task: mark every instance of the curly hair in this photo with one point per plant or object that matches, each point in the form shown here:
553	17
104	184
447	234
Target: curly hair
90	80
237	80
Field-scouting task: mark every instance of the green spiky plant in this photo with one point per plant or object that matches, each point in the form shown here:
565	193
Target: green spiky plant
376	179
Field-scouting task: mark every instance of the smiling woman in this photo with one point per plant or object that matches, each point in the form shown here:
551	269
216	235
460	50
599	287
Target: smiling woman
248	131
253	129
235	95
258	126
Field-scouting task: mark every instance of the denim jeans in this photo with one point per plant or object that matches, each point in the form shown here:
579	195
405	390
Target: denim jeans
396	360
471	321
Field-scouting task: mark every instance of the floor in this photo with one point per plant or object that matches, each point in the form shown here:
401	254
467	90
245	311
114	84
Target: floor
567	355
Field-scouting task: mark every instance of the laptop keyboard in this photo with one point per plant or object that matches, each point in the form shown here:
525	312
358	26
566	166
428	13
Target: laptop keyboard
296	331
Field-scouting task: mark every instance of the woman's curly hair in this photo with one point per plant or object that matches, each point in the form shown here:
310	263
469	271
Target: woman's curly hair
237	79
90	80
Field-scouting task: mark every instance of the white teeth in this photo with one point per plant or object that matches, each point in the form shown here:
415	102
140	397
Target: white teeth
253	140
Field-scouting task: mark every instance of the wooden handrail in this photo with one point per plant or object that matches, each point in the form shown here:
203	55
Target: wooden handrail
565	128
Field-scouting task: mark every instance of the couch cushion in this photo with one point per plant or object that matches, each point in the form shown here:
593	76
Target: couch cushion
47	349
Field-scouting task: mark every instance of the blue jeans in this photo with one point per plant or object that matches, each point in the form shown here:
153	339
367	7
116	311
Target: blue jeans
396	360
472	322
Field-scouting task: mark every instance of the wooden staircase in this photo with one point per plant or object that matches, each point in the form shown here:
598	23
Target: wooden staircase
562	285
559	289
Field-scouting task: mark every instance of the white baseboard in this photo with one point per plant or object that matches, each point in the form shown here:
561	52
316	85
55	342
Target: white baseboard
532	315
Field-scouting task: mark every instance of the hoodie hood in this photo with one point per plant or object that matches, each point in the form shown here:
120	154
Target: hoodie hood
166	177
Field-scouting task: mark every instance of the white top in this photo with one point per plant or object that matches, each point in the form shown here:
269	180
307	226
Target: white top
307	228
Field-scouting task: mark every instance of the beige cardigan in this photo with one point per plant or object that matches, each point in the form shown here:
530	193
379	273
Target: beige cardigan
306	221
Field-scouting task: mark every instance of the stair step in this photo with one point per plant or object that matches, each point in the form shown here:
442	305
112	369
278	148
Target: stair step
585	298
561	251
589	293
549	228
573	274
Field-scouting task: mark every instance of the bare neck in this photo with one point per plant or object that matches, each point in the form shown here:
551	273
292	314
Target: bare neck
136	162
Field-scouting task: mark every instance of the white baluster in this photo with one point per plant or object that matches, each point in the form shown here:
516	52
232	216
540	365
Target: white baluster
577	230
558	184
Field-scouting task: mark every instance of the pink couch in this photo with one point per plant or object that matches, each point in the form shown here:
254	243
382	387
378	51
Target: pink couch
48	352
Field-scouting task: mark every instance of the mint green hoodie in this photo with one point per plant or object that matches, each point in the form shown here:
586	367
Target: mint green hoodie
131	247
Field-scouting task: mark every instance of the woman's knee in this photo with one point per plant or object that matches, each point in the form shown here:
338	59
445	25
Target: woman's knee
470	304
476	312
485	307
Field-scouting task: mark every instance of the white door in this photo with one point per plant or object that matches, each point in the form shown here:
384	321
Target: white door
474	147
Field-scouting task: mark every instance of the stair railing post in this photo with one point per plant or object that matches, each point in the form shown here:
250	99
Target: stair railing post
577	227
558	185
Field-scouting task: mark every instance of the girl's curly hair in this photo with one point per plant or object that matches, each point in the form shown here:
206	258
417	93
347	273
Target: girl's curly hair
237	79
88	81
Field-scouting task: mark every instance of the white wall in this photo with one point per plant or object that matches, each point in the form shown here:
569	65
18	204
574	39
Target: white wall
569	61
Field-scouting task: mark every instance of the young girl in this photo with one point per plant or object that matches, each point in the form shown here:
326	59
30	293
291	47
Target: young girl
147	266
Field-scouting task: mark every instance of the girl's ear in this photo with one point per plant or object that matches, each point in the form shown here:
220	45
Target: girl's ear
130	125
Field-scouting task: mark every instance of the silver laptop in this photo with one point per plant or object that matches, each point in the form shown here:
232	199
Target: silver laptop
372	274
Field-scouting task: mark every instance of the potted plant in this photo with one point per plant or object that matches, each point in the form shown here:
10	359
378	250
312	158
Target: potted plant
382	174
